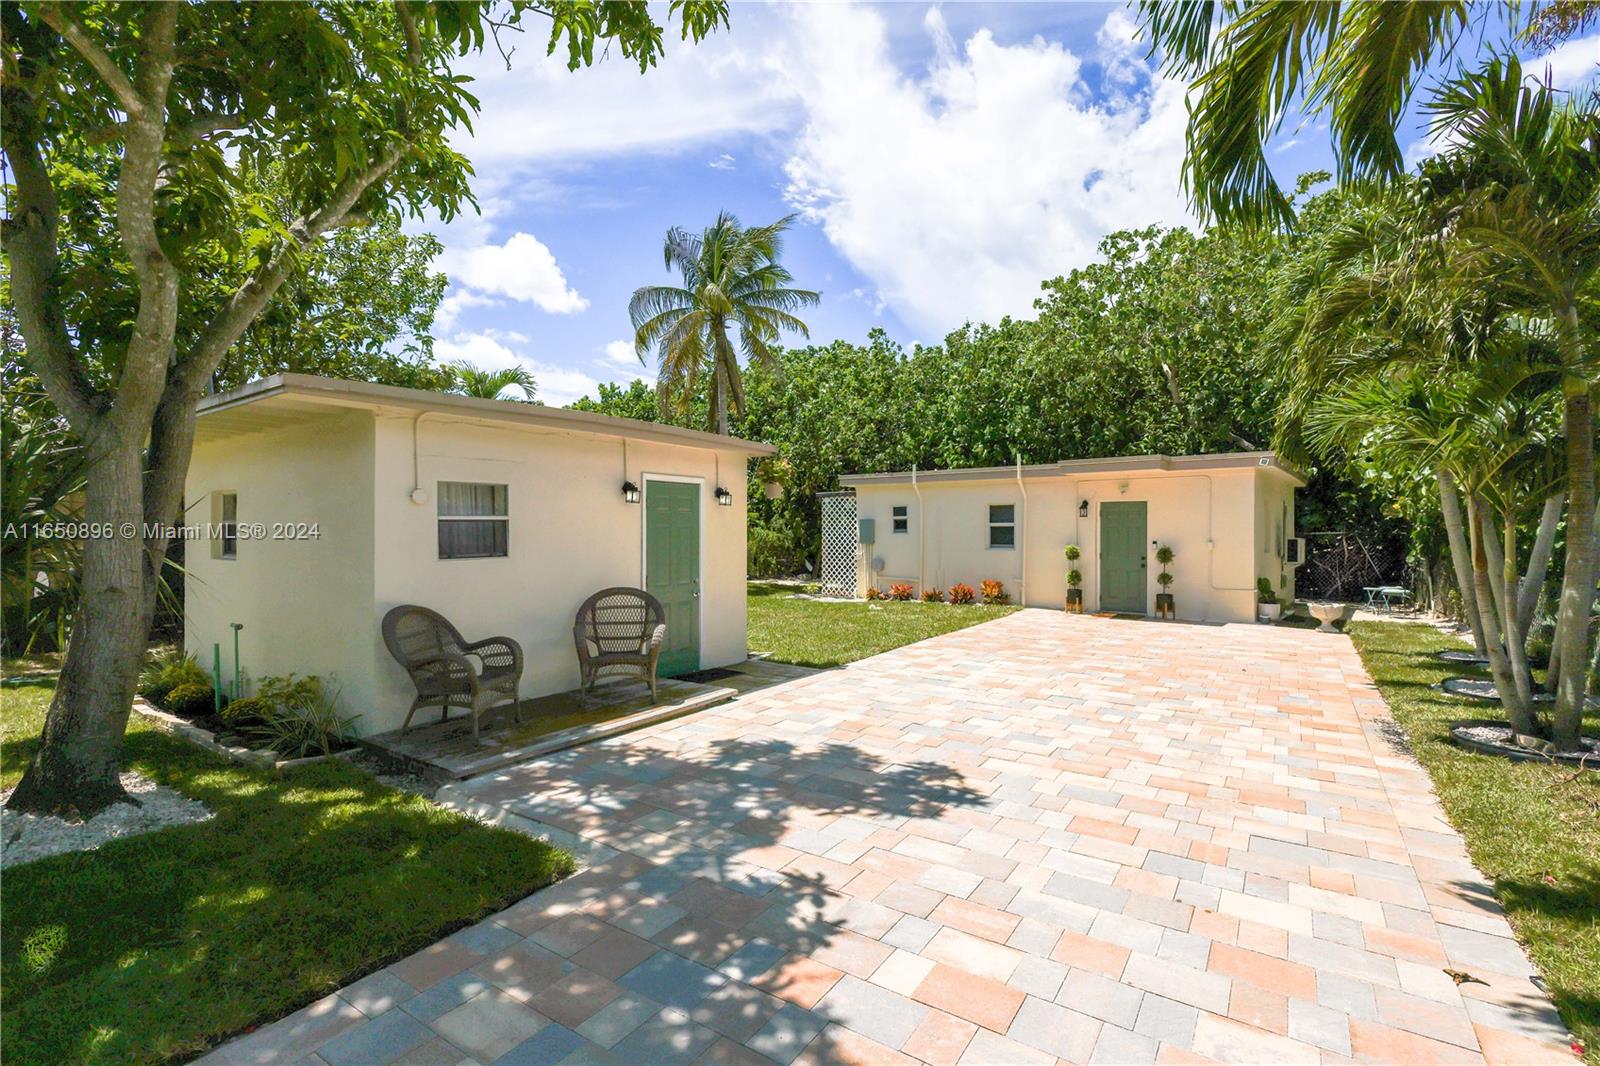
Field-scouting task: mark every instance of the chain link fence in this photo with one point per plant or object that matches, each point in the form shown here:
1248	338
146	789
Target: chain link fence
1339	565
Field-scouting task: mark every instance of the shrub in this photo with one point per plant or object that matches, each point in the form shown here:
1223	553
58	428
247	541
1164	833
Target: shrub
166	672
1164	556
900	592
961	592
294	716
1073	554
1264	593
246	714
874	594
191	700
932	596
309	724
994	592
1074	578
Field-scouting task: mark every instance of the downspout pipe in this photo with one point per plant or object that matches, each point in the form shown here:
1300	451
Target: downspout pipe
922	522
1022	534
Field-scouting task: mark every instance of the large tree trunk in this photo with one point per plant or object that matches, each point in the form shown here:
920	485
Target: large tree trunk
1518	713
1577	589
1544	543
77	768
1460	556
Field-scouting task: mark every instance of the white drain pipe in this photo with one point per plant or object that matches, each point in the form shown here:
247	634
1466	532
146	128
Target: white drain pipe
1022	533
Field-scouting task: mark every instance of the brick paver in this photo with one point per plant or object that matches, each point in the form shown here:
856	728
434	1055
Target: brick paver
1046	837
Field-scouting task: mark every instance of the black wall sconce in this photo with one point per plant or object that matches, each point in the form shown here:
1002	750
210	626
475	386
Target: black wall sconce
724	497
1083	509
630	492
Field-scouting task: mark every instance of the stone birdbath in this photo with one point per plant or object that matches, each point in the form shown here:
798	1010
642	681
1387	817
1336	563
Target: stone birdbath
1332	615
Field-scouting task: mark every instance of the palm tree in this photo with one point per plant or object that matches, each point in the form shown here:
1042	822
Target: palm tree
470	380
1357	61
731	277
1524	178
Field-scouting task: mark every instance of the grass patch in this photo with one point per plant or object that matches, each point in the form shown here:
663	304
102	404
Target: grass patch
1533	829
155	948
827	633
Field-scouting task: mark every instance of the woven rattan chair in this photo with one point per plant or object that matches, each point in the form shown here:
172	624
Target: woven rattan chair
619	631
441	665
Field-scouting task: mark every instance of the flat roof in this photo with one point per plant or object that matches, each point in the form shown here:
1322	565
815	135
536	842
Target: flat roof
296	390
1121	464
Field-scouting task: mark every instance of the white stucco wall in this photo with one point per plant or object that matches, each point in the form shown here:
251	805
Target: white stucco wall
1217	524
571	534
304	604
315	607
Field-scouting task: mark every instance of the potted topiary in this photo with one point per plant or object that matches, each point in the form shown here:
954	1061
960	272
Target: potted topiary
1164	604
1267	606
1074	579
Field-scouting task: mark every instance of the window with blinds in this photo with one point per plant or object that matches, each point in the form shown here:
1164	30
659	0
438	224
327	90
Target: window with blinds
473	520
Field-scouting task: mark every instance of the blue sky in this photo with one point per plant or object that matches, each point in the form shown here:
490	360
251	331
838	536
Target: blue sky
943	160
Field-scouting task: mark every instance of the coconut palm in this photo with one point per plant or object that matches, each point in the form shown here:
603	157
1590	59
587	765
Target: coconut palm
1358	62
470	380
731	277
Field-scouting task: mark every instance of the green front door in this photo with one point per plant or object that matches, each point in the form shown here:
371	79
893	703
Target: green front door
672	569
1122	558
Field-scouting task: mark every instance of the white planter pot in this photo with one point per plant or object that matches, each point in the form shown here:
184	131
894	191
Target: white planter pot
1268	612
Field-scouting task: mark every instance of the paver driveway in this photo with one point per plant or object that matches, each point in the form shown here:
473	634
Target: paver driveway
1047	837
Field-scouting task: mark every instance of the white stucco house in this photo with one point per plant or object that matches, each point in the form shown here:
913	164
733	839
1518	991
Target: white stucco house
1228	518
321	504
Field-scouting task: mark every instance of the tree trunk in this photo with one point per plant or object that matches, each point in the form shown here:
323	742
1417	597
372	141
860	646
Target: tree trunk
1460	557
721	375
77	768
1544	542
1577	589
1503	571
1517	712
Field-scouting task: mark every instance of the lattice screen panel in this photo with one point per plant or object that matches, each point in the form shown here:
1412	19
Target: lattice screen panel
839	544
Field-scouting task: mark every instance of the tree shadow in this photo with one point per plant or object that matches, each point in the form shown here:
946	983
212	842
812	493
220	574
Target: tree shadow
778	828
1572	901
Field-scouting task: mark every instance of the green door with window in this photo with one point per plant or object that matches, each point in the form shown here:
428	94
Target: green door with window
1122	558
672	569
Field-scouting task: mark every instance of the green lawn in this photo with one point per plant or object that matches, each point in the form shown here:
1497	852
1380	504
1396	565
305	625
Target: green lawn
823	633
1533	829
154	948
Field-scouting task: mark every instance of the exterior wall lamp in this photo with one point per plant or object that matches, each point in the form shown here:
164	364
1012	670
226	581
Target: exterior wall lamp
724	497
1083	509
630	492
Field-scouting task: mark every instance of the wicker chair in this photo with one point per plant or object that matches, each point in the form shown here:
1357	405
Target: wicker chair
440	664
618	631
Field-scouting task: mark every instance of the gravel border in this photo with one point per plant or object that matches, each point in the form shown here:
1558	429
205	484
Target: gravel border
29	837
1489	737
1456	655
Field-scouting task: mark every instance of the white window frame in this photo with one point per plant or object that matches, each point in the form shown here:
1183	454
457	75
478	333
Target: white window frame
993	525
900	516
438	496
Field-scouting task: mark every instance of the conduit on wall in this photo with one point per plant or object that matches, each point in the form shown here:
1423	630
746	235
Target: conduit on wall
1211	546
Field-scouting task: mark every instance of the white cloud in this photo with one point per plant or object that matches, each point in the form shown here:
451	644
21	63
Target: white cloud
539	110
521	269
959	192
1570	65
722	162
558	385
451	306
623	354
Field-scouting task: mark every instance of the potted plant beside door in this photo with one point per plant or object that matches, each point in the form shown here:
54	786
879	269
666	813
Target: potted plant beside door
1267	606
1164	604
1074	580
